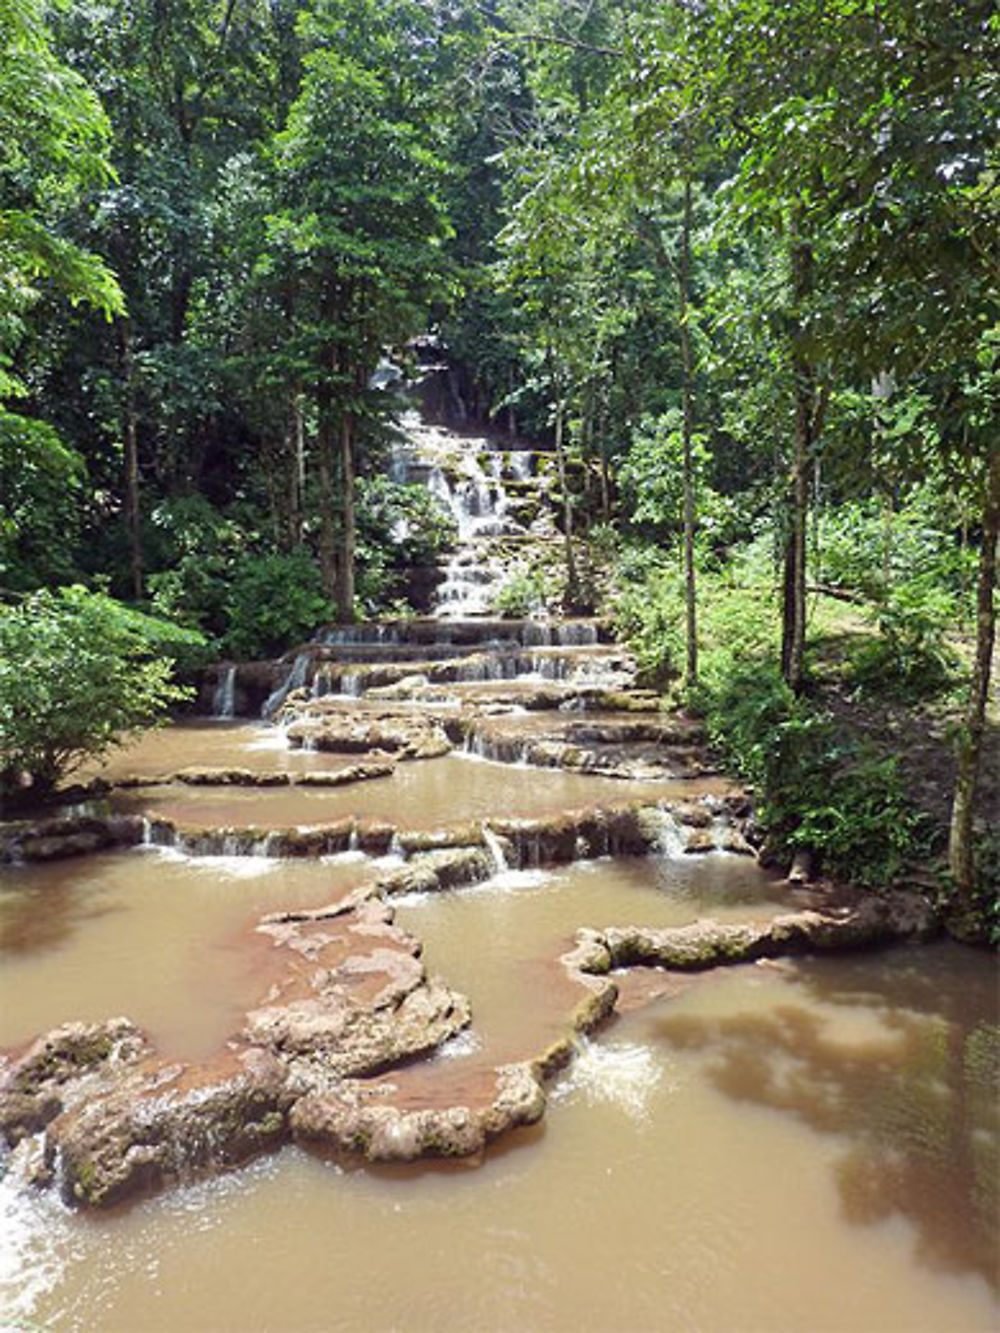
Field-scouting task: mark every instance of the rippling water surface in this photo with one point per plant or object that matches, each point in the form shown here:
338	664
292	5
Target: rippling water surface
805	1145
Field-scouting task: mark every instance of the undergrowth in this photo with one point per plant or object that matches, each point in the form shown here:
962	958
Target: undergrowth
814	787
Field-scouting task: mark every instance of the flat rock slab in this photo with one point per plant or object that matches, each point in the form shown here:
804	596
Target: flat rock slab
347	995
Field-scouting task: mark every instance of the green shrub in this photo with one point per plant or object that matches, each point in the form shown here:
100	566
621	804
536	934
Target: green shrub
79	673
41	480
272	602
910	659
197	549
736	621
857	548
526	592
814	790
649	616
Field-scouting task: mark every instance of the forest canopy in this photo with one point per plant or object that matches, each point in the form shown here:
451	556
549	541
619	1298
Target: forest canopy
736	263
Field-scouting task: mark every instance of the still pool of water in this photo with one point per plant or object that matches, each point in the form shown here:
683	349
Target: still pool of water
805	1145
157	937
256	746
499	943
422	794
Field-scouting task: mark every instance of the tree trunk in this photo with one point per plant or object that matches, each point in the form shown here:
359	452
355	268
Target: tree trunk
572	590
687	429
793	618
324	477
961	853
297	469
807	417
345	563
602	436
132	509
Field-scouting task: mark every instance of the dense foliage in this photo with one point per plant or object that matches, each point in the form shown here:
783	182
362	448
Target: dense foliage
734	264
79	673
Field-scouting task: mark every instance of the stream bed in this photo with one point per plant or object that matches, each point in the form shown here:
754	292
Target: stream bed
801	1144
790	1145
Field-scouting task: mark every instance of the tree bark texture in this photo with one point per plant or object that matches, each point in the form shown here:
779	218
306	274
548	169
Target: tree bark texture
687	358
348	530
961	851
133	511
572	588
810	404
324	478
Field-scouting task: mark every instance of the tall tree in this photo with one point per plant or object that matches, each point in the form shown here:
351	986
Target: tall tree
361	213
54	145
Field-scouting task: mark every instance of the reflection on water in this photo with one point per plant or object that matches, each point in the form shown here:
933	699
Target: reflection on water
789	1147
157	937
898	1062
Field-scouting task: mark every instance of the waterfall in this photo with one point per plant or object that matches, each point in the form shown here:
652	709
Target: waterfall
466	476
670	839
576	634
294	680
495	848
224	698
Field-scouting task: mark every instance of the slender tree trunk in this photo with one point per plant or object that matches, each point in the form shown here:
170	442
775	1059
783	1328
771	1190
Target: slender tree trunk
132	509
603	416
348	531
324	478
602	440
807	418
296	468
325	469
794	608
961	858
572	590
687	430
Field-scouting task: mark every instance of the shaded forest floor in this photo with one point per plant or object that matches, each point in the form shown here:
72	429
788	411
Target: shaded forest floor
919	732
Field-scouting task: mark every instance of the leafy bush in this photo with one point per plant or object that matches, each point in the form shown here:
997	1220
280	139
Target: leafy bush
79	673
910	659
400	528
856	548
40	478
814	790
735	621
649	615
198	548
526	592
272	601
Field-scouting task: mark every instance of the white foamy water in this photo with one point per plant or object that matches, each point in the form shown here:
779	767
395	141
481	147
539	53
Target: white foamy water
623	1074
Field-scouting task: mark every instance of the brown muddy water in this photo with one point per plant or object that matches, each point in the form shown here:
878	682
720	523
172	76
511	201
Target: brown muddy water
157	937
422	794
253	745
807	1145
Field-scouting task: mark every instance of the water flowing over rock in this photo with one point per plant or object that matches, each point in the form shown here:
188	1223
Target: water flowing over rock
497	499
341	1047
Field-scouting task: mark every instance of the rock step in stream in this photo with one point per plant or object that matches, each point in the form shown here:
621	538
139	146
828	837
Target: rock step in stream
326	1054
344	997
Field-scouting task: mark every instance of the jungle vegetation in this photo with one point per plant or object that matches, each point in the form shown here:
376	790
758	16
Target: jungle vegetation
736	263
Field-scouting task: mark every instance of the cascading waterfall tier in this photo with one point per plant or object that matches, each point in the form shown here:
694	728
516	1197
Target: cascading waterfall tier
494	497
